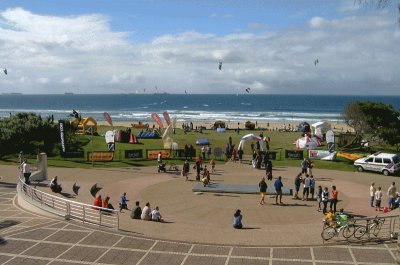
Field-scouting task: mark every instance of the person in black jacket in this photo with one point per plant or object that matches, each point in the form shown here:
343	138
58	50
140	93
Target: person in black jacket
263	190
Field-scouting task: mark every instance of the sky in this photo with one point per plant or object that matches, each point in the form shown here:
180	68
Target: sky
173	46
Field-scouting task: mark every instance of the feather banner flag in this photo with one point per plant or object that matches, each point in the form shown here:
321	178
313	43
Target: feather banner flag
108	118
166	117
157	119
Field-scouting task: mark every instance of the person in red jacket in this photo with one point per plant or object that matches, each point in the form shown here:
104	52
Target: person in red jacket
98	202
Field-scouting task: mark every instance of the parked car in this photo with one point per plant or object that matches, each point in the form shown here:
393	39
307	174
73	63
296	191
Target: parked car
379	162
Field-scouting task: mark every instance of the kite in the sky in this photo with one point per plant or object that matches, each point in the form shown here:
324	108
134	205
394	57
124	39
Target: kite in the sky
248	90
316	61
5	71
220	66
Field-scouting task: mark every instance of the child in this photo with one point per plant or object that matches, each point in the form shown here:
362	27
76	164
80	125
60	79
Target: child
378	199
212	163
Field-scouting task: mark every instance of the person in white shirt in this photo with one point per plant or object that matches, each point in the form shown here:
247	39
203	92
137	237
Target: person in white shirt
306	188
26	171
156	215
391	195
378	199
146	212
372	191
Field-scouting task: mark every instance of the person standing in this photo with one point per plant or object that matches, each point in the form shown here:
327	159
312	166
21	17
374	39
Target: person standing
297	183
237	220
312	186
26	170
203	152
268	169
306	188
191	152
21	157
325	199
212	163
334	199
240	154
372	191
304	166
310	166
185	169
378	199
278	188
263	190
208	151
391	195
319	197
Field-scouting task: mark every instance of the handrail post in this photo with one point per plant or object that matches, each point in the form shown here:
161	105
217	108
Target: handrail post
84	213
99	217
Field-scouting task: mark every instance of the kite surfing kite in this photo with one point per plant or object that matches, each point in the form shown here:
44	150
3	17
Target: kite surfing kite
5	71
220	66
248	90
316	61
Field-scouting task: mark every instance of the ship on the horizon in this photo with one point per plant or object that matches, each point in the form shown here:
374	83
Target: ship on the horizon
68	93
12	93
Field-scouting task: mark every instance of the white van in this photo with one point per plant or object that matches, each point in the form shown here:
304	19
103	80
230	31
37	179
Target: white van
379	162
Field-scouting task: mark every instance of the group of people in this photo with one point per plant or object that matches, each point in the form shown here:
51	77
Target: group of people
147	213
376	196
99	202
278	185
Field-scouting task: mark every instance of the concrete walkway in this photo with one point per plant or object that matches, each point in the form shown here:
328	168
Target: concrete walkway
199	232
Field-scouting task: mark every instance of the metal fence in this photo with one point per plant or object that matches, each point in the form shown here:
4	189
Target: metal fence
70	210
361	230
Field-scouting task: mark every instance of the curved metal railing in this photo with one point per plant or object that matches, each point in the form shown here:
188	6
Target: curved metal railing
70	210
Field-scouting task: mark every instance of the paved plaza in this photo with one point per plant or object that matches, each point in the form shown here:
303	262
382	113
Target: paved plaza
31	238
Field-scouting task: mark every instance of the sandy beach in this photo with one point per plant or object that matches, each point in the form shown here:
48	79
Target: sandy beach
271	126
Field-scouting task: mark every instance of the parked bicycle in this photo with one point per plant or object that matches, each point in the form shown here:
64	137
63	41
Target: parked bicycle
334	227
373	226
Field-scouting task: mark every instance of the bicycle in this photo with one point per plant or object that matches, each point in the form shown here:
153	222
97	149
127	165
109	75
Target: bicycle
375	227
334	227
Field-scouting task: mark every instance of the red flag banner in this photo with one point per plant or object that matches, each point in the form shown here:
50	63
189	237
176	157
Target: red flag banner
166	117
108	118
157	119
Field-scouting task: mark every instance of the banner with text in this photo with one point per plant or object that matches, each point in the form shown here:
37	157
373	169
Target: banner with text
100	156
294	154
62	136
153	153
137	153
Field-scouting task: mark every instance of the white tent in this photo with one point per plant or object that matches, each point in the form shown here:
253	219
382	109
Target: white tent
307	142
320	128
251	137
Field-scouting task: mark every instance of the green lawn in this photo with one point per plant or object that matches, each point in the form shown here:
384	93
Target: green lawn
279	142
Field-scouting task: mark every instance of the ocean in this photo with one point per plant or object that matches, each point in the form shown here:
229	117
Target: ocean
194	107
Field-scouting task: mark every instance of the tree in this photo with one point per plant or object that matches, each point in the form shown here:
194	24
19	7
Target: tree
30	133
354	117
379	119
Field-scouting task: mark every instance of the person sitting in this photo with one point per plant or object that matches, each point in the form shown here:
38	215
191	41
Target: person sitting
54	186
146	213
237	220
122	202
106	204
342	218
136	211
98	202
330	218
206	178
156	215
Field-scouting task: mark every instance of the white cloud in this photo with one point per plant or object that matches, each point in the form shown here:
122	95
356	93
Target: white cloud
81	54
